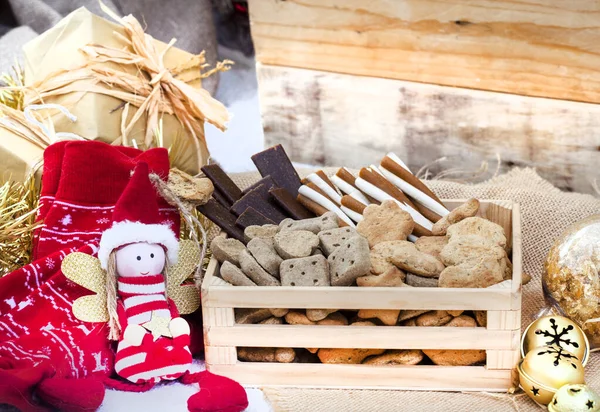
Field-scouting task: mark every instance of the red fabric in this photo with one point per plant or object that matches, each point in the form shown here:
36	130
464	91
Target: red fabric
138	201
72	395
217	394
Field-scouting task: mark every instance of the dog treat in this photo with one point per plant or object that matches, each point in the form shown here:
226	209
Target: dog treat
272	321
307	271
463	321
491	231
316	315
221	199
263	232
227	250
374	177
481	317
267	181
470	248
250	316
363	323
432	245
295	244
405	255
278	313
334	319
421	281
479	273
332	239
289	204
296	317
396	357
395	171
266	256
409	322
346	182
380	263
281	355
356	217
233	275
434	318
422	225
251	217
468	209
385	222
325	202
393	277
258	198
388	317
222	182
350	261
315	225
254	271
277	164
347	356
350	202
322	182
220	216
410	314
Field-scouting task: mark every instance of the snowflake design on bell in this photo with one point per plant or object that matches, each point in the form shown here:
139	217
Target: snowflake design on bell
559	354
66	220
556	337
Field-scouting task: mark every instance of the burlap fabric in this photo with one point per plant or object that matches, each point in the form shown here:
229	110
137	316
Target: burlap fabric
546	212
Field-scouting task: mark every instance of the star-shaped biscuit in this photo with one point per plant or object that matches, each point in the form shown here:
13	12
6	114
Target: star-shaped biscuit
158	326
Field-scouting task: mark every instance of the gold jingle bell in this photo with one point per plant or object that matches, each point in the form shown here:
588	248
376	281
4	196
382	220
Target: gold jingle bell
575	398
556	330
546	369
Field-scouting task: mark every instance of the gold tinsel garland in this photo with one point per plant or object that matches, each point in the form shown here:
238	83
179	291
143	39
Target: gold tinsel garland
12	94
18	207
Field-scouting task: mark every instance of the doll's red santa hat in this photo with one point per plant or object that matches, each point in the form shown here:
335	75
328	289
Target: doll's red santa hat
136	219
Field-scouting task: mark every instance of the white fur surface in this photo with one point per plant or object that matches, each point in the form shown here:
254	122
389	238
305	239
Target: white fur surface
171	397
124	233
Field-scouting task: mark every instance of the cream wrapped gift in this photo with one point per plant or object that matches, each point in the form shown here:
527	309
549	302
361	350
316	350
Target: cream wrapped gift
122	85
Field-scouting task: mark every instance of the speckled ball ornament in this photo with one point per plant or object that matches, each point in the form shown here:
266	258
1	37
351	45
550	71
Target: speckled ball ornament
556	330
575	398
546	369
571	281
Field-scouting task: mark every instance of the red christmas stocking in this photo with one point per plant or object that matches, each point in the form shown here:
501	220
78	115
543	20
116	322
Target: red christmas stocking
92	177
217	393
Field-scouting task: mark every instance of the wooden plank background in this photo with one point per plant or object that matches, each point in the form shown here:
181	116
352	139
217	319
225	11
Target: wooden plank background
340	119
547	48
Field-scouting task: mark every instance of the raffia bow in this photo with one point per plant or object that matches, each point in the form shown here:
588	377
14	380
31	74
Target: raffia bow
155	89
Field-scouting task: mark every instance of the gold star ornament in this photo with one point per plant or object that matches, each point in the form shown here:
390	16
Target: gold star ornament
158	326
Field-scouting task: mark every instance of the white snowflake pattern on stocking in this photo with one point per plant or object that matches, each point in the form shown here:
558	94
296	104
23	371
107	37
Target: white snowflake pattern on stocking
50	263
103	220
66	220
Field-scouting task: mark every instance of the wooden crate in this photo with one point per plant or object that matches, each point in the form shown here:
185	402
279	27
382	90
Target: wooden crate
500	338
455	79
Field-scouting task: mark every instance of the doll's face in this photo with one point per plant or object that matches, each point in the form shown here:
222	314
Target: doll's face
140	259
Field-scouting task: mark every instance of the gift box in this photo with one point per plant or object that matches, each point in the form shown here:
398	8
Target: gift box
122	85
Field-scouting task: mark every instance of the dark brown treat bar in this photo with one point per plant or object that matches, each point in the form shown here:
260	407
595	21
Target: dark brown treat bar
222	182
251	217
267	181
276	163
288	203
220	216
221	199
258	199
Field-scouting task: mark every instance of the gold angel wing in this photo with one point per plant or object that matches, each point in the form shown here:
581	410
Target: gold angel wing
85	270
186	297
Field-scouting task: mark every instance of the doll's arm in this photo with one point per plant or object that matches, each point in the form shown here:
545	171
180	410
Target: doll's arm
132	334
178	326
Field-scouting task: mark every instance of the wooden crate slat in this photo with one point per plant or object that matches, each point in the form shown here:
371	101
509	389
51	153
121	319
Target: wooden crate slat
220	355
541	48
370	337
438	378
316	120
502	359
504	319
357	298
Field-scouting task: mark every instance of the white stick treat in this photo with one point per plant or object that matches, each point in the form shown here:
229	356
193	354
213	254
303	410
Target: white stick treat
326	203
357	217
322	184
396	159
348	189
412	238
381	196
415	193
375	169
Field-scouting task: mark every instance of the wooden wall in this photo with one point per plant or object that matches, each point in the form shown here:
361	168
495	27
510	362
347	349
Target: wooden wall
363	92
